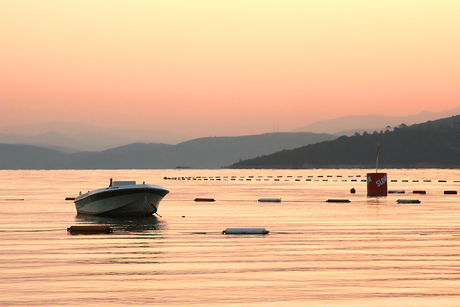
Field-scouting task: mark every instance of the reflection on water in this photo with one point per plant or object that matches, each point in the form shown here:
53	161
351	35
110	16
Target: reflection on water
366	252
130	224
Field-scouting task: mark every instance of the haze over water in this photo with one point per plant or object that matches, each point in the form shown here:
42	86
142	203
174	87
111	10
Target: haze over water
369	252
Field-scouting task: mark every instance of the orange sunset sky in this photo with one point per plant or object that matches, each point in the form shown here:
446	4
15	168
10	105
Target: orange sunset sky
225	68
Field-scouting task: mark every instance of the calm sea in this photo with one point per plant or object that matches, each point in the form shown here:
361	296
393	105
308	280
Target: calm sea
368	252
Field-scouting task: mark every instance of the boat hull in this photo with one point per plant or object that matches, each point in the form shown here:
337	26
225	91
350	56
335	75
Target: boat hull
134	201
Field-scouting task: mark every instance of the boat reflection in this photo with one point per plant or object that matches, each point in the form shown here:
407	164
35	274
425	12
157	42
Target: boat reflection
130	224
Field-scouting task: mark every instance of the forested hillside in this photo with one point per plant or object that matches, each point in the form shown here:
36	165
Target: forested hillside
433	144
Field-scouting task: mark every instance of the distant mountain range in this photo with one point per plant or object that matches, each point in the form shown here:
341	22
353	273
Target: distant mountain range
348	125
211	152
72	137
431	144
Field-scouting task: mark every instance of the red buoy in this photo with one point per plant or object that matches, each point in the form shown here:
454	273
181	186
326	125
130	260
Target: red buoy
377	184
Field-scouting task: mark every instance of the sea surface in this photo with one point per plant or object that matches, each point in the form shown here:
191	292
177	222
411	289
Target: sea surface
368	252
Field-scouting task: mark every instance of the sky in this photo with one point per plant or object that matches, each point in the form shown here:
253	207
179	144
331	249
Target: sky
227	67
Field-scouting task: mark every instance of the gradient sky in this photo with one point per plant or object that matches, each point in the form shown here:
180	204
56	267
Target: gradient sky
225	68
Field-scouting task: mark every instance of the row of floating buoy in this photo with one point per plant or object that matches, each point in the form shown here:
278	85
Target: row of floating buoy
248	177
278	200
256	179
287	178
353	190
427	180
451	192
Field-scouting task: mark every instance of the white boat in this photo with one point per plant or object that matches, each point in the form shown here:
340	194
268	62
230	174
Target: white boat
121	198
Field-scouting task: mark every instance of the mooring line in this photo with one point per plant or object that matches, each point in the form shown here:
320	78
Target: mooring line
31	230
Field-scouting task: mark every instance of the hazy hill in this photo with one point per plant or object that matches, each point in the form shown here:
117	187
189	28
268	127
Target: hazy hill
432	144
348	125
31	157
72	137
212	152
76	137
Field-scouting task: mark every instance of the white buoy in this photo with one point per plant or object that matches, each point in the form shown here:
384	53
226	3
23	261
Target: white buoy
270	200
245	231
408	201
396	191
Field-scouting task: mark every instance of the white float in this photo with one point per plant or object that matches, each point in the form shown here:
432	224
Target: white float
245	231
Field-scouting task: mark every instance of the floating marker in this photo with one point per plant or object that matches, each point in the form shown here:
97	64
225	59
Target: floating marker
419	192
245	231
205	199
70	198
338	201
89	229
450	192
408	201
397	191
270	200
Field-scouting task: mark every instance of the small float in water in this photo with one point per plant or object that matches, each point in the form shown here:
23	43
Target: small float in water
338	201
245	231
205	199
270	200
89	229
408	201
396	191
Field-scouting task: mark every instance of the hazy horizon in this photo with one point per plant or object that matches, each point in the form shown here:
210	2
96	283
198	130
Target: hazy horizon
226	68
329	126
